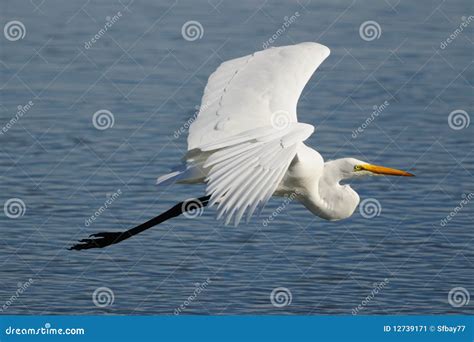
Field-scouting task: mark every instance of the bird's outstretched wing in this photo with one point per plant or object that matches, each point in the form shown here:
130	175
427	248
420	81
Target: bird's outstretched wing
247	125
257	90
246	169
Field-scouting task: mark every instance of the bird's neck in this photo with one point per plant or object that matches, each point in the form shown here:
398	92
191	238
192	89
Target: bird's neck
329	199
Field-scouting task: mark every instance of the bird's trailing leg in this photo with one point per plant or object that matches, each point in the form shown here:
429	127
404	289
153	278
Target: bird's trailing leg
104	239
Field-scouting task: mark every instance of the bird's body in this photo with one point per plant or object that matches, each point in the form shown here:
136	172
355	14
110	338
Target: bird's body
246	143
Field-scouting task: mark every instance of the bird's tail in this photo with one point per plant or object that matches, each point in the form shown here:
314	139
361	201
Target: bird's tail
186	174
171	177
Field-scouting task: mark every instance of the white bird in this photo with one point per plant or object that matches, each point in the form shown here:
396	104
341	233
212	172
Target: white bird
246	143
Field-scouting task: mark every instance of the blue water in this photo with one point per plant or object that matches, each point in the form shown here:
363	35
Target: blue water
151	79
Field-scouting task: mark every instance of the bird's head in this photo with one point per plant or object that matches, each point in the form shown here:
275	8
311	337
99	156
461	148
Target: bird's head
347	168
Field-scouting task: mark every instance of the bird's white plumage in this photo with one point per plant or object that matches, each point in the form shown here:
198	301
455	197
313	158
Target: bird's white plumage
246	143
249	147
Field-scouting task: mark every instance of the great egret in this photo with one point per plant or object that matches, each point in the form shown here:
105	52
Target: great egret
246	144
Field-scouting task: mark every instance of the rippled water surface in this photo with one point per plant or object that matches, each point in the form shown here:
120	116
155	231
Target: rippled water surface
151	79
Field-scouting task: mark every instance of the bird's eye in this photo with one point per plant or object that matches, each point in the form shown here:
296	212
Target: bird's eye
357	168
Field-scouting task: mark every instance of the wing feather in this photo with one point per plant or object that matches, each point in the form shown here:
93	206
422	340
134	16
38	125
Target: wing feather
245	92
248	180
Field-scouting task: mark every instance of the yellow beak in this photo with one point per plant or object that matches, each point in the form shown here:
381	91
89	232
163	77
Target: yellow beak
382	170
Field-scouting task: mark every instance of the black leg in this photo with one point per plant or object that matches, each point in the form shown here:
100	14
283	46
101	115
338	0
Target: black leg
104	239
